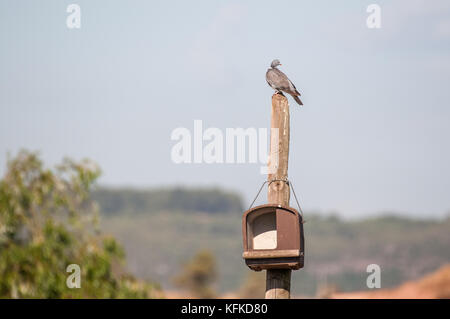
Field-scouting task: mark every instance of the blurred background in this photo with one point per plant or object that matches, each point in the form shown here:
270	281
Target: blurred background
369	150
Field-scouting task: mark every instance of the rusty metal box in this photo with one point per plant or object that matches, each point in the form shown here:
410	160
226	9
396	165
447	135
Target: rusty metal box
273	237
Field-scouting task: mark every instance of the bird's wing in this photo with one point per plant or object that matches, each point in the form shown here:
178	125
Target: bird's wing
278	80
284	83
294	89
291	89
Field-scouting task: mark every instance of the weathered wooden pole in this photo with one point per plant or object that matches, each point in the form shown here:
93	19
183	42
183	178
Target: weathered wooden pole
278	281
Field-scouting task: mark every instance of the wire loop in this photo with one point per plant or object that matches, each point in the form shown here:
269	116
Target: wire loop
289	183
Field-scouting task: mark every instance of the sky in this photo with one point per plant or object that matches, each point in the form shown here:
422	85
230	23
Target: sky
372	137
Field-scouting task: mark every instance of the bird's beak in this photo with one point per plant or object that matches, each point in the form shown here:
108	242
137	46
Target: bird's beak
281	64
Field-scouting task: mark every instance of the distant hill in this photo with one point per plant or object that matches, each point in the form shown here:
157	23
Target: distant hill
122	201
432	286
159	235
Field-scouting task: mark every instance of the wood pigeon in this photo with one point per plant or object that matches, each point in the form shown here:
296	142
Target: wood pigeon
280	82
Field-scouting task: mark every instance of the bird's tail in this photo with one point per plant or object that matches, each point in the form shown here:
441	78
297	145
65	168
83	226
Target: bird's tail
297	99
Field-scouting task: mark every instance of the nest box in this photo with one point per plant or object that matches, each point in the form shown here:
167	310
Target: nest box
273	237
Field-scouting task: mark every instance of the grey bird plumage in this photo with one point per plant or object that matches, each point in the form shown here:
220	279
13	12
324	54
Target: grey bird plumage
280	82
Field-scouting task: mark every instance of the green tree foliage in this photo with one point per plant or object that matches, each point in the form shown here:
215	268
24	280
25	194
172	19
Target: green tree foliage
199	275
48	222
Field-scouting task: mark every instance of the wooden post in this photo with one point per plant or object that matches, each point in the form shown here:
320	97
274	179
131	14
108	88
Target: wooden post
278	281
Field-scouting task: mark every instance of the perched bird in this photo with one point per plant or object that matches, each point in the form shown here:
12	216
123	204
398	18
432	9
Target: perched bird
280	82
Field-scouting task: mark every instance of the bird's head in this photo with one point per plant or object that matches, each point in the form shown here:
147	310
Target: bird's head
275	63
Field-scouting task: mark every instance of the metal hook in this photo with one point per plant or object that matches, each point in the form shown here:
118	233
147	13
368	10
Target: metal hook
289	183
